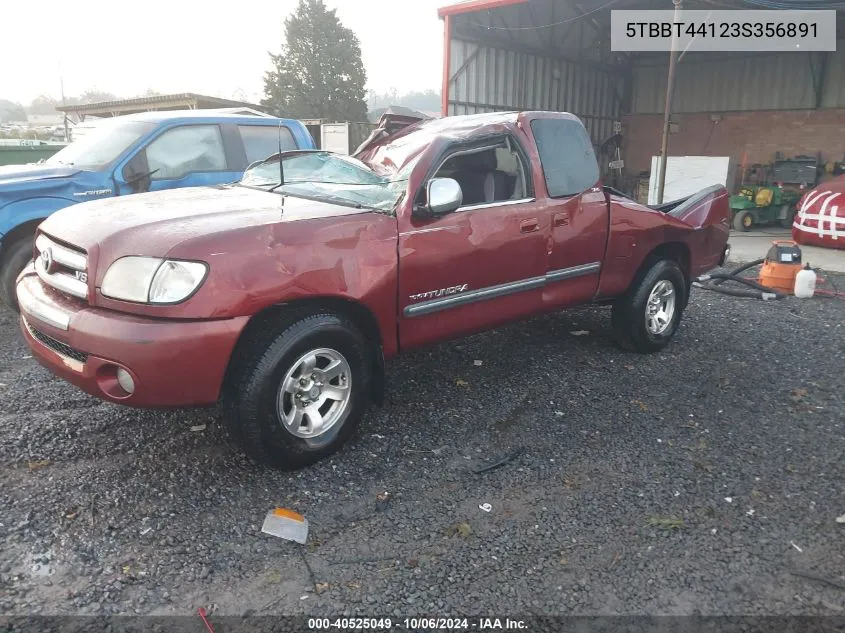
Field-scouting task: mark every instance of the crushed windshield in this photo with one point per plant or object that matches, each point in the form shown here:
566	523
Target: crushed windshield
330	177
101	145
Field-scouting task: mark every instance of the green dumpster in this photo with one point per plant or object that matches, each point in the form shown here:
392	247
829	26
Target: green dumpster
23	154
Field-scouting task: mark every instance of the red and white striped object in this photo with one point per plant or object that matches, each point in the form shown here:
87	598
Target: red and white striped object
820	220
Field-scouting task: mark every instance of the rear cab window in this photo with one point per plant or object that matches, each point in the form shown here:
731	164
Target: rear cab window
566	156
261	141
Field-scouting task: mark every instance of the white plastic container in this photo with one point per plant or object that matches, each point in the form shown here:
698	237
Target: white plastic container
805	282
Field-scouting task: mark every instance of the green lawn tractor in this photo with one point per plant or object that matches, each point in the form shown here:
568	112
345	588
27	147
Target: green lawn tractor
756	205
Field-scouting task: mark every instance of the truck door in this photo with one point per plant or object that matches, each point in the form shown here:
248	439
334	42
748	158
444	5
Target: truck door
181	156
578	208
481	265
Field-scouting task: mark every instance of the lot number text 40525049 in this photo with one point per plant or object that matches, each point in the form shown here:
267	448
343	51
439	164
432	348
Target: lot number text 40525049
416	624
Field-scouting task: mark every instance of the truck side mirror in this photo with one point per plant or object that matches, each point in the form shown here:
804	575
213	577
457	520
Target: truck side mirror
443	195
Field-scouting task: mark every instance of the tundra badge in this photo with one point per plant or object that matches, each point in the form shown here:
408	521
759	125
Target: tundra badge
442	292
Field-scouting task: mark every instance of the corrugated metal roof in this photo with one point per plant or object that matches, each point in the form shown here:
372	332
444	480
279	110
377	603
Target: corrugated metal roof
489	79
88	108
736	82
468	6
834	92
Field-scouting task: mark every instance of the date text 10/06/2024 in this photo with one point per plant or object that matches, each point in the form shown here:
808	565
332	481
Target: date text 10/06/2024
416	624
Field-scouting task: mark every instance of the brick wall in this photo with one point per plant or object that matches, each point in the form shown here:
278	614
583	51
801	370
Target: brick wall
757	135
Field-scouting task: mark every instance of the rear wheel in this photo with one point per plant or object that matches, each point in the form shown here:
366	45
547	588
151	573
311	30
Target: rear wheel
13	262
297	395
743	220
647	317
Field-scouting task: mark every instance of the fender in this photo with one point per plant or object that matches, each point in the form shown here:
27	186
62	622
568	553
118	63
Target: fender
22	211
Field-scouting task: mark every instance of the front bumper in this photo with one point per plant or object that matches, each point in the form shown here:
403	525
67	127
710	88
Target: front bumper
172	363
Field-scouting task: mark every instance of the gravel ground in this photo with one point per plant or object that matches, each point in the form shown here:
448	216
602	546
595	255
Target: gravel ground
697	480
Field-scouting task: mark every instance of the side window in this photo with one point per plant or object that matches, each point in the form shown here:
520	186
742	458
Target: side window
486	176
261	141
567	156
186	149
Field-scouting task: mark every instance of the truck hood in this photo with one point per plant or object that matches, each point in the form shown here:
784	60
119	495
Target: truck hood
154	223
15	176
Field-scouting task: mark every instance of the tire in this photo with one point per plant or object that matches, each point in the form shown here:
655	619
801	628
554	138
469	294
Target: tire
256	399
632	329
743	220
13	262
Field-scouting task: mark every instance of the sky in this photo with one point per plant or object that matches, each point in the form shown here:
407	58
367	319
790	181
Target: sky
170	46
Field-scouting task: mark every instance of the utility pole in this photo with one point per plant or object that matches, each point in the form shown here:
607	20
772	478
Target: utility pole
62	87
670	93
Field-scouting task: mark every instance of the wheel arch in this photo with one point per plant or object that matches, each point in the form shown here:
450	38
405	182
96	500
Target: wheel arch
23	213
262	323
19	232
678	252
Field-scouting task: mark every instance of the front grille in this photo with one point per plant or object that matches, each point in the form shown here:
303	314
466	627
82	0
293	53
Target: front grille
57	346
63	267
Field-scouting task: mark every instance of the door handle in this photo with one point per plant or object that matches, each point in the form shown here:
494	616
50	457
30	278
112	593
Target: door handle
529	226
561	219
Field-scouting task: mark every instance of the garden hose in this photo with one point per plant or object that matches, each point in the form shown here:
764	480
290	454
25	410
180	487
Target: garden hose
714	282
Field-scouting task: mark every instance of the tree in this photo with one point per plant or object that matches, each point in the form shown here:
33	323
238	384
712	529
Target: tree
96	96
43	104
426	100
319	73
11	111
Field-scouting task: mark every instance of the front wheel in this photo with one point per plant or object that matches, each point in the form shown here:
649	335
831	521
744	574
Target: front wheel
13	262
297	396
647	317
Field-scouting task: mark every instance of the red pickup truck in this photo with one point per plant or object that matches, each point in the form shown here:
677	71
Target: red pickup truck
283	294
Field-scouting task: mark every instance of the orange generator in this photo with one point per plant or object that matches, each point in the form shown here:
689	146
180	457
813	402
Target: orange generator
782	264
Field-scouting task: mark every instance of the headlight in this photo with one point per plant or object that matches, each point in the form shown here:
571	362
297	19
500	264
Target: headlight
152	280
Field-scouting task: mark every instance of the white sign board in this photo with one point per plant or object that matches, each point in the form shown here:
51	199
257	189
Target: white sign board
335	137
686	175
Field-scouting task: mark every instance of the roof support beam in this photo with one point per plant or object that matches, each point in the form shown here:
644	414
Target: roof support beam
503	27
552	29
819	77
466	63
667	114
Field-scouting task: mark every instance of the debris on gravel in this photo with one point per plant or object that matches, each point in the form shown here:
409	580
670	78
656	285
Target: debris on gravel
616	504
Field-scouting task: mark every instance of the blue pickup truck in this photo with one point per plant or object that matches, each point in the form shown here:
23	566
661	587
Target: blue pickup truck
132	154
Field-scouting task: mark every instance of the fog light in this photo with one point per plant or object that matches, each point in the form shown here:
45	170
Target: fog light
125	380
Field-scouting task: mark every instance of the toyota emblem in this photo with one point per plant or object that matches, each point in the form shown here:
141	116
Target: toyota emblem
47	260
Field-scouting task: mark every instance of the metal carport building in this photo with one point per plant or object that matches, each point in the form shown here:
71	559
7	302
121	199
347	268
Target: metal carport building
555	55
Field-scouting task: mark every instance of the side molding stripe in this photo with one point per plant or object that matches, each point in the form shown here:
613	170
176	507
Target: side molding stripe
501	290
575	271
